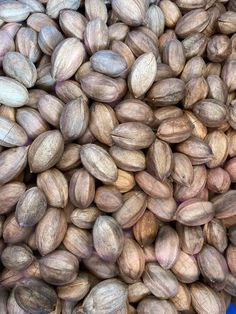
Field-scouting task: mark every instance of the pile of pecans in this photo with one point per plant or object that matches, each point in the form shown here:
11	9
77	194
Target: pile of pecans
117	156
